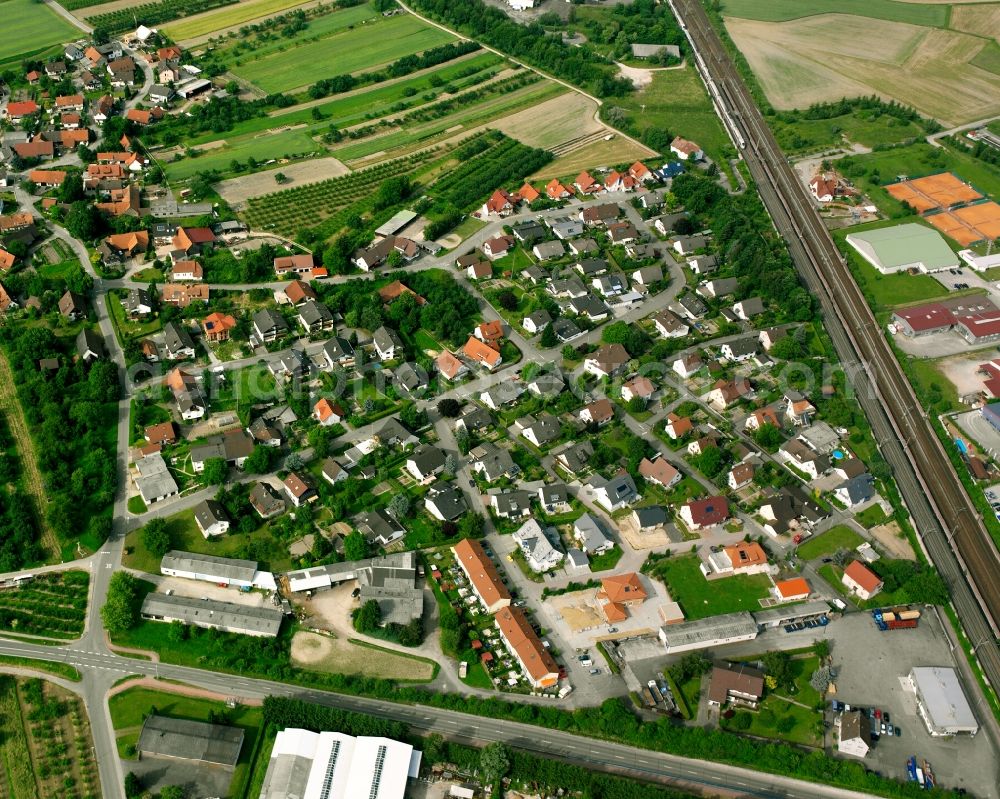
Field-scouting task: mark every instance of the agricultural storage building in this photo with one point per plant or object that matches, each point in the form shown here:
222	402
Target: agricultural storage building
229	617
213	569
941	701
910	246
713	631
181	739
332	765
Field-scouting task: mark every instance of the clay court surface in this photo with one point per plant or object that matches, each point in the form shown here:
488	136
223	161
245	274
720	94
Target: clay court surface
943	190
339	656
970	224
237	191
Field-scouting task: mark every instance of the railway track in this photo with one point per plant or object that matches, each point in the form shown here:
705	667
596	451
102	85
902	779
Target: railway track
950	530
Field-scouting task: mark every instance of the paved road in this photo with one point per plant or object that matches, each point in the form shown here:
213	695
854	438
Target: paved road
947	523
103	669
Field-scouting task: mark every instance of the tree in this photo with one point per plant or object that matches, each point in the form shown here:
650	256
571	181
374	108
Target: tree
84	221
450	463
294	462
822	648
768	436
494	762
216	471
471	525
778	666
742	720
72	188
549	338
508	300
399	505
636	405
259	461
368	617
434	748
156	537
464	440
133	786
449	407
177	632
821	679
355	546
121	612
173	792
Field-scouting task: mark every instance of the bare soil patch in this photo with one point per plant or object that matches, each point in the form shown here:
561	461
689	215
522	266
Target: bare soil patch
339	656
890	537
979	20
236	191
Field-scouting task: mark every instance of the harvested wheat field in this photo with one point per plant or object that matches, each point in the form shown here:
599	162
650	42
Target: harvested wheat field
618	150
976	19
554	122
237	191
924	67
339	656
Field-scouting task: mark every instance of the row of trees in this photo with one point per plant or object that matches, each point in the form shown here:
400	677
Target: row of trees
70	413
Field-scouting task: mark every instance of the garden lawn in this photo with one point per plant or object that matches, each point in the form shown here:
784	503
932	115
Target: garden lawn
30	28
129	710
226	17
889	291
279	145
606	560
872	516
839	537
785	720
700	598
186	537
935	16
353	50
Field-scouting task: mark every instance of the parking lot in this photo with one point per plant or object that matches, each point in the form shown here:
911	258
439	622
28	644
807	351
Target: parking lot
872	671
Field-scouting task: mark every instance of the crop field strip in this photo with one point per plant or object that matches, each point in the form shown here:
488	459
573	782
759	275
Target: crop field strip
229	16
356	106
930	15
264	147
30	29
345	51
152	14
462	121
52	605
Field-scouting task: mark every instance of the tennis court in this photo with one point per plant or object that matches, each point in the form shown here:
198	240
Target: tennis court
969	224
943	190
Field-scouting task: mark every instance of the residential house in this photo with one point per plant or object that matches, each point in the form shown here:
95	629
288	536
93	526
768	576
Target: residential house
450	367
582	246
718	288
511	504
315	316
742	558
590	534
691	306
328	413
191	240
638	387
739	350
585	184
795	589
500	204
566	228
861	580
528	232
541	431
608	361
659	471
554	498
300	488
479	270
183	294
688	365
686	150
761	417
300	264
803	459
686	245
72	306
798	409
411	377
726	393
484	579
211	518
741	475
575	457
216	326
854	734
599	412
677	426
298	292
333	472
699	514
622	232
769	337
545	250
735	684
387	343
528	193
268	325
537	665
266	501
703	264
493	463
478	352
425	463
537	321
555	190
498	246
647	275
186	272
618	593
263	432
445	502
600	215
749	308
336	351
615	493
379	527
536	546
566	330
177	341
856	491
89	345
